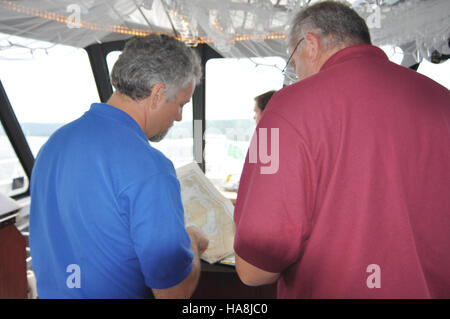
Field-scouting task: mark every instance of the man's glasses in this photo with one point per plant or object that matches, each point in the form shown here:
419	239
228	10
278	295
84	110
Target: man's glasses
292	54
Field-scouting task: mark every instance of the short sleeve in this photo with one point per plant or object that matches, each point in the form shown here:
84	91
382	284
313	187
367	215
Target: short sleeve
157	230
274	197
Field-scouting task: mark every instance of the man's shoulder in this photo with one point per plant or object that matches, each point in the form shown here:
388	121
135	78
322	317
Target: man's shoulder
60	138
162	164
143	159
301	99
104	142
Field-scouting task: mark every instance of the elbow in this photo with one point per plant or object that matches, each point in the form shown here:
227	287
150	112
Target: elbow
247	279
254	281
252	276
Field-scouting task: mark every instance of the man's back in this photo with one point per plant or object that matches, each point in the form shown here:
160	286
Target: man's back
371	140
98	189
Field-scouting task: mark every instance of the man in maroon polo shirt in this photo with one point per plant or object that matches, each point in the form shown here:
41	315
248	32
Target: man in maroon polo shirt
359	203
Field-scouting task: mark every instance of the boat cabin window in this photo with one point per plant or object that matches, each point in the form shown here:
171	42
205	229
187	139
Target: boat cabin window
48	85
13	180
111	59
231	86
438	72
394	53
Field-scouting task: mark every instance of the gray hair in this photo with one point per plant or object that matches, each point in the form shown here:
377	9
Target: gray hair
335	22
148	60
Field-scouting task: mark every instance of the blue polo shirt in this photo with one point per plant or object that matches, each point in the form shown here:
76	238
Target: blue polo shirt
106	217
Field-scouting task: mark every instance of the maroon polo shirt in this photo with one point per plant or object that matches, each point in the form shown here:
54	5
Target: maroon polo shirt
358	203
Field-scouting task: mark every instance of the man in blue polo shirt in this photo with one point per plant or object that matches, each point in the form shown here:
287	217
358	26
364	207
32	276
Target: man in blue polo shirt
106	216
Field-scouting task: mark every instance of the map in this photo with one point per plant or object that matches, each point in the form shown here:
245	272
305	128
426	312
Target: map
206	208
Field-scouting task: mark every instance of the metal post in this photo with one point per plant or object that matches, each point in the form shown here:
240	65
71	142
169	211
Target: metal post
199	106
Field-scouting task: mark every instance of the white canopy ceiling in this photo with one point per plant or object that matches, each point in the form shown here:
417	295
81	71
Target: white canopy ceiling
235	28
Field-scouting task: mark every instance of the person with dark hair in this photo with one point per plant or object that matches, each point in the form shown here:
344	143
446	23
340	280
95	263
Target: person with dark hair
106	217
359	206
260	104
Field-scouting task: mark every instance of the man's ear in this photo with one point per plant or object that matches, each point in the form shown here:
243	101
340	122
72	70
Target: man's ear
157	95
313	47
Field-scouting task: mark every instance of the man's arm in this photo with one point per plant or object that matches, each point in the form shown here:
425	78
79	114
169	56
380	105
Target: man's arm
254	276
185	289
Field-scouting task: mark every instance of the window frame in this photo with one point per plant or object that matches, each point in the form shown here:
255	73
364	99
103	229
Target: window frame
16	137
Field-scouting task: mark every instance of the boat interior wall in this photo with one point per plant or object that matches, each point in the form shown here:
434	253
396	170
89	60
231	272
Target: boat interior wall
13	282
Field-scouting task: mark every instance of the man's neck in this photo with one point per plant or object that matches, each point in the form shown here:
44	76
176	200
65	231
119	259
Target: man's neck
129	106
328	54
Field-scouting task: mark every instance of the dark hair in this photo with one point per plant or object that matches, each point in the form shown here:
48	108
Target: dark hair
263	99
334	20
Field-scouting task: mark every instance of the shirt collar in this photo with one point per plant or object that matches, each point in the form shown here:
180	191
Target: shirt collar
358	51
111	112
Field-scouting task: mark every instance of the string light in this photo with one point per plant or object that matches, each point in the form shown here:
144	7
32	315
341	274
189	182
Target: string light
60	18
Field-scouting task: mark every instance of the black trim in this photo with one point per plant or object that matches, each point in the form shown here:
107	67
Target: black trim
414	66
97	56
100	71
113	46
199	103
16	136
